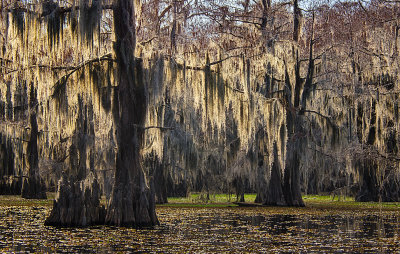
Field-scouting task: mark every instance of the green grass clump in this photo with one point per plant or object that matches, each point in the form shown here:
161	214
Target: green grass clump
13	200
199	205
201	198
319	202
213	200
330	202
311	201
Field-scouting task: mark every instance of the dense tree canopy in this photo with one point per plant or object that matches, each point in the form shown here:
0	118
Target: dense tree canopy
140	100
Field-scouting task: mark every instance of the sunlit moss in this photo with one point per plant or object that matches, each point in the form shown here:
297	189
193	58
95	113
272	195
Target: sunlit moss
55	21
89	20
18	19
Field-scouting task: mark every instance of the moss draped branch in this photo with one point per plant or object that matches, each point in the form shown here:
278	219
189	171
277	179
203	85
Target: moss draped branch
327	118
63	9
60	84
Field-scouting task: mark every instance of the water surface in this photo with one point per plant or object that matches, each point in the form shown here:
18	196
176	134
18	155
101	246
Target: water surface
231	229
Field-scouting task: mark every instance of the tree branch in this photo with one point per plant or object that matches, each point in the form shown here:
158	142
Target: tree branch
5	60
327	118
61	9
159	127
164	12
63	80
274	92
220	61
162	128
148	41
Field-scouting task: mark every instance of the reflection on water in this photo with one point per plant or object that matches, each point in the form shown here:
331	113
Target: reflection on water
210	230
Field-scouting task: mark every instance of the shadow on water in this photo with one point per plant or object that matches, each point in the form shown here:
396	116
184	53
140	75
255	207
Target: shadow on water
209	230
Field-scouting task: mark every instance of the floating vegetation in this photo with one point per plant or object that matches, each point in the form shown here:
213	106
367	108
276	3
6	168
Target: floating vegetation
223	117
205	229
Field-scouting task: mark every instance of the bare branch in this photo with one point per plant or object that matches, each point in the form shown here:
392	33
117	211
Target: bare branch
327	118
220	61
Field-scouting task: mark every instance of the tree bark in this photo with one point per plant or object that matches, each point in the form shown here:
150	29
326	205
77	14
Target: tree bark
155	170
285	190
132	203
369	190
266	4
291	182
274	195
77	201
297	19
33	187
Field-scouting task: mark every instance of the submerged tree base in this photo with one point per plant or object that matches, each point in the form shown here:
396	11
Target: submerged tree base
131	207
33	188
77	204
10	186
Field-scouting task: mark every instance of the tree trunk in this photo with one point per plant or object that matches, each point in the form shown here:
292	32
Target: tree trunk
285	190
33	187
78	195
77	203
132	203
291	182
266	4
155	170
297	19
369	190
274	195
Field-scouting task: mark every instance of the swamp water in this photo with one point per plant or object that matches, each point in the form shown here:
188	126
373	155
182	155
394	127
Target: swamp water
210	229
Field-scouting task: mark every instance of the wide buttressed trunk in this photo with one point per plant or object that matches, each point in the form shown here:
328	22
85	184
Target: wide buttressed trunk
274	194
158	183
284	186
291	179
132	203
295	144
77	201
33	186
369	190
